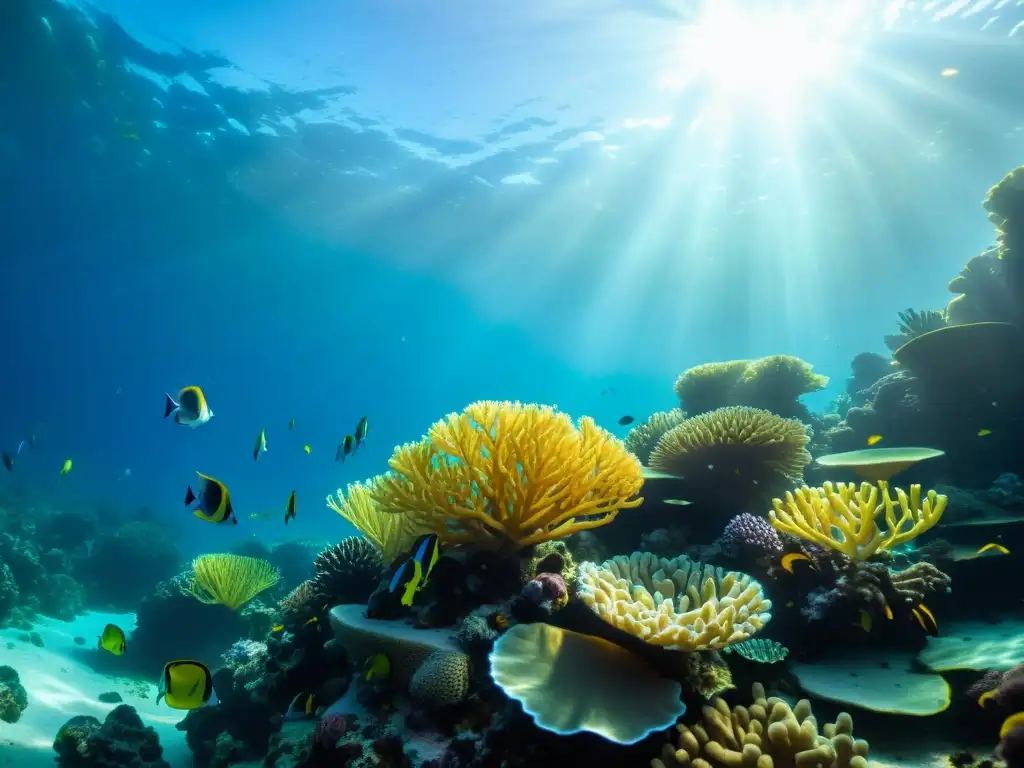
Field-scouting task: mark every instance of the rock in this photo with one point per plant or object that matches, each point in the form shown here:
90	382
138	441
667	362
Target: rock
110	697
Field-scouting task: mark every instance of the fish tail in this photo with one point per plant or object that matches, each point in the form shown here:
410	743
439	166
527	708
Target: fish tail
169	406
189	496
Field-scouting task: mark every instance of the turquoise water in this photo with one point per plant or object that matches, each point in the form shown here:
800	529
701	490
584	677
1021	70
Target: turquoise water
319	213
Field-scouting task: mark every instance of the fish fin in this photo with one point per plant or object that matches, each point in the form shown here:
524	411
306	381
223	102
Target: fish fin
169	406
177	417
189	496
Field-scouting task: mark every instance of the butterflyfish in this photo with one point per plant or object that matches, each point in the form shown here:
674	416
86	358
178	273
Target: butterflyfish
302	706
984	432
361	429
792	557
874	439
426	552
865	620
186	685
113	640
926	619
1013	721
993	547
8	462
212	503
190	409
377	666
66	467
261	445
986	696
406	581
290	509
307	448
888	611
344	448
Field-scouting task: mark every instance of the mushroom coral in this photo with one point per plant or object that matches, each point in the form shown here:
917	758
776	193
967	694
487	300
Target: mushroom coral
708	386
776	382
572	683
842	517
749	441
766	734
677	604
510	473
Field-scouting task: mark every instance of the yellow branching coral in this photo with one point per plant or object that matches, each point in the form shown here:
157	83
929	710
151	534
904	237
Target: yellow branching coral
676	604
748	440
230	580
510	472
393	535
706	387
768	733
844	516
641	439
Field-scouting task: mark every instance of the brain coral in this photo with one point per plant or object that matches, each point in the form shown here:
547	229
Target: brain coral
677	603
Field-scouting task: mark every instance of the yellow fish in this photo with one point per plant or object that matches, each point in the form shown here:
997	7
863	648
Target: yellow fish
1013	721
378	665
406	581
874	439
277	628
983	432
888	611
993	547
792	557
212	503
307	449
291	508
113	640
190	409
865	620
926	619
186	685
986	696
66	468
302	706
313	620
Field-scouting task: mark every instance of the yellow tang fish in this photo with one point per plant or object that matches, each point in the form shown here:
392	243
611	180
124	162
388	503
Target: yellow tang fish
113	640
67	467
378	665
993	547
874	439
186	685
865	620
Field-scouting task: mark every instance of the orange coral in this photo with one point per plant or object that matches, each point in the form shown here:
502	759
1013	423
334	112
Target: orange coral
512	472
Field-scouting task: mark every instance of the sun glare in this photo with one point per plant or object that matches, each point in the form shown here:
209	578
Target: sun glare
768	56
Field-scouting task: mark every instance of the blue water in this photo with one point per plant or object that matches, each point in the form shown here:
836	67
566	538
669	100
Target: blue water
392	210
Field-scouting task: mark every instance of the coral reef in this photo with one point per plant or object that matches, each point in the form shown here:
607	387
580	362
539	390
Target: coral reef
510	473
675	604
230	580
572	683
642	438
13	698
122	741
735	454
913	324
348	572
843	517
392	534
759	650
766	733
750	536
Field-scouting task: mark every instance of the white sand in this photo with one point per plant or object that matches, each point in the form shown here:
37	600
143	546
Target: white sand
60	686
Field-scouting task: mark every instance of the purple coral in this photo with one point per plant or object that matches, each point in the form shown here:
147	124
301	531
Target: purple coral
547	587
749	534
329	730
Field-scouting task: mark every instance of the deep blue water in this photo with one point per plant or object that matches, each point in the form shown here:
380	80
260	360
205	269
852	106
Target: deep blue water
394	209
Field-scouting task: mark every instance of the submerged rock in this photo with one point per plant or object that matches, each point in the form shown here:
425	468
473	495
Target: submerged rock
122	740
13	698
